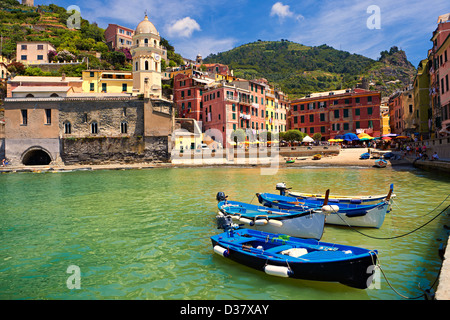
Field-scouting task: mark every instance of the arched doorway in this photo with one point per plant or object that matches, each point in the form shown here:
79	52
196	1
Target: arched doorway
36	157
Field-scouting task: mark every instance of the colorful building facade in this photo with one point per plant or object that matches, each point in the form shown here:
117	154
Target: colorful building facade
225	106
337	112
422	99
33	52
118	37
107	81
439	76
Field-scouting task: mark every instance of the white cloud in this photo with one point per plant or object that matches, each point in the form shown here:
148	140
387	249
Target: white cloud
183	28
283	11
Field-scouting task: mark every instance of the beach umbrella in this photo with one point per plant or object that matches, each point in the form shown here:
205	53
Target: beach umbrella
350	137
308	139
332	140
387	138
390	135
401	137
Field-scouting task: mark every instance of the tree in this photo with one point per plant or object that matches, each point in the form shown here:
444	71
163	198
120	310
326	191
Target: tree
238	135
293	135
17	68
317	136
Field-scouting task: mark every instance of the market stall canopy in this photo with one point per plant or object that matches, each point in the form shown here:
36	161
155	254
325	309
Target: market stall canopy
308	139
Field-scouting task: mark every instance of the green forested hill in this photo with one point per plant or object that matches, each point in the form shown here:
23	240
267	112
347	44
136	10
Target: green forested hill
49	23
299	69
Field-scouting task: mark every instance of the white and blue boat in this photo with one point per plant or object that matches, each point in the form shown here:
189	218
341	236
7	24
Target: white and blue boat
381	163
308	224
344	214
289	257
354	199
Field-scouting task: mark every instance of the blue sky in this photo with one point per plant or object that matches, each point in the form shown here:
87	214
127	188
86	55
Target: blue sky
211	26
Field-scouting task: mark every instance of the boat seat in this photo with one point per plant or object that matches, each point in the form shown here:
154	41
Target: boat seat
278	249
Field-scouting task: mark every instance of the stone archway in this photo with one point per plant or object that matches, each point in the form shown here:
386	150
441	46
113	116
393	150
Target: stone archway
36	156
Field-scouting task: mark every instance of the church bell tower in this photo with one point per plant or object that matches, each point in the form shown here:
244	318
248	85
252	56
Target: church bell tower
147	54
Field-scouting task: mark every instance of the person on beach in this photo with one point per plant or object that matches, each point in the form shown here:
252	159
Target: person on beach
4	163
435	156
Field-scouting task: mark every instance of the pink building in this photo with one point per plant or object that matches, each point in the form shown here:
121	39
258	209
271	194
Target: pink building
118	37
33	52
221	107
440	73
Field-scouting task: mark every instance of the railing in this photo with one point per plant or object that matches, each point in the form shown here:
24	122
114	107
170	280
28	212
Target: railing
147	45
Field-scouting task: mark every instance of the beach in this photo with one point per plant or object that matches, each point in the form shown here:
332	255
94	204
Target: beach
346	157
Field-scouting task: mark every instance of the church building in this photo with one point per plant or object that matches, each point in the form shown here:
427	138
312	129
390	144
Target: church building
147	54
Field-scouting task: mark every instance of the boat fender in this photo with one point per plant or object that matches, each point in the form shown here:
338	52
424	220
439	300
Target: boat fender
330	208
236	217
275	223
278	271
221	251
348	252
261	222
247	221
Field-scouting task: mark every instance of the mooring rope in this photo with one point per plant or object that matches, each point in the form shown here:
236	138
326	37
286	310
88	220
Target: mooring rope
393	289
403	235
395	237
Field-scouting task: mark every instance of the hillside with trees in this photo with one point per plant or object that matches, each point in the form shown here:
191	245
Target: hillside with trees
299	70
49	23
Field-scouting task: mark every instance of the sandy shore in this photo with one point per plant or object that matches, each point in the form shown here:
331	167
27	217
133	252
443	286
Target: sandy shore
347	157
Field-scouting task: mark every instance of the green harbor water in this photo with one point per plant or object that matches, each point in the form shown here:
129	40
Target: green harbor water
145	234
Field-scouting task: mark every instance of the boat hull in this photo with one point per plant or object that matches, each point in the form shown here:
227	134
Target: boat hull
307	225
374	218
370	216
340	199
354	270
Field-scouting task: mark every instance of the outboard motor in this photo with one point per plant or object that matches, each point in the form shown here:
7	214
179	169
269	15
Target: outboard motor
282	188
221	197
224	222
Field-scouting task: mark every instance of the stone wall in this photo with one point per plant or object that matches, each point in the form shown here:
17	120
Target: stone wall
103	150
2	149
109	114
439	145
157	148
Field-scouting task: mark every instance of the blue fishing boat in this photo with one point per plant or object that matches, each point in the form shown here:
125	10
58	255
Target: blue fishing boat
365	156
290	257
344	214
307	224
355	199
381	163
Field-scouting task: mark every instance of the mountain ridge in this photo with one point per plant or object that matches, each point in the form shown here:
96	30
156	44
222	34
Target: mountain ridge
299	70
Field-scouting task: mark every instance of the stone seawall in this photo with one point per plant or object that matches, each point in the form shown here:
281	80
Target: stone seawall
105	150
443	290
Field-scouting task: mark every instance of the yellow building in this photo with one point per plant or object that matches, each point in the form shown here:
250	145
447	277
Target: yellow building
107	81
270	110
385	127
